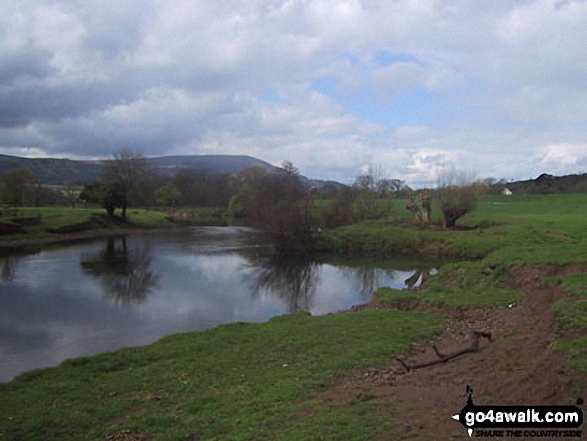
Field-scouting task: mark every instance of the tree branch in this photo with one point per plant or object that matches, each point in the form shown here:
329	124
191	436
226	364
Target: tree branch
443	358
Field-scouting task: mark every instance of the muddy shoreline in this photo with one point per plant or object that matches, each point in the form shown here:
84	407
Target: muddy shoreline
518	366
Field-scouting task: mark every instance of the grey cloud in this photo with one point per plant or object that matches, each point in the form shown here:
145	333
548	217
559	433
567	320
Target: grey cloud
88	78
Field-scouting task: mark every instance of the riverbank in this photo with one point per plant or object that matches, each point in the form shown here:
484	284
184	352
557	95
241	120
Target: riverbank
336	376
43	226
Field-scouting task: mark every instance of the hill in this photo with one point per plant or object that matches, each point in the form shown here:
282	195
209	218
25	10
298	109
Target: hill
229	164
547	184
54	171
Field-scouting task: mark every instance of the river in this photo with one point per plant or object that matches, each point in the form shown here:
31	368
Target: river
93	297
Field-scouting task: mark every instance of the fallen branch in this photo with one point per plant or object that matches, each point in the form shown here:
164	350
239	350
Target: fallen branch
443	358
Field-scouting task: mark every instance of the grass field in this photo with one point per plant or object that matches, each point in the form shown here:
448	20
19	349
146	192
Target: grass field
509	230
239	381
264	381
502	232
56	221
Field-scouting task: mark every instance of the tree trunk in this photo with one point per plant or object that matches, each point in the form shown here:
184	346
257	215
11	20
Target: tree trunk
426	206
413	207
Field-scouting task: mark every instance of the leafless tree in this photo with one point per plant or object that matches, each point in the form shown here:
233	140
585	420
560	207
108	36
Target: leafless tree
70	193
457	194
126	172
14	185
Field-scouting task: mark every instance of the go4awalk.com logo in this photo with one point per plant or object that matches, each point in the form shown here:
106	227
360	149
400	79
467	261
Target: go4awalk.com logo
520	421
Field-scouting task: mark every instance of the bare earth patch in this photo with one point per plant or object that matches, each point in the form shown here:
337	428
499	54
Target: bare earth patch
518	367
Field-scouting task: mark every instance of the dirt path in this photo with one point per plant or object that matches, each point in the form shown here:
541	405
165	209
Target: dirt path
518	367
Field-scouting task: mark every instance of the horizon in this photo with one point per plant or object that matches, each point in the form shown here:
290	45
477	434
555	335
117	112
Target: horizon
414	87
279	166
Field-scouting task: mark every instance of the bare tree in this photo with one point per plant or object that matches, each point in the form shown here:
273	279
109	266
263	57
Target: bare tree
370	187
457	194
70	193
277	202
126	171
125	272
15	183
421	206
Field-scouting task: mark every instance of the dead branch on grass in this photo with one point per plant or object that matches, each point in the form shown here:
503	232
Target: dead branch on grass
443	358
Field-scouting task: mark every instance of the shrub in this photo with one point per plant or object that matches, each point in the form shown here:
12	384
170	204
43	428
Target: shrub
457	195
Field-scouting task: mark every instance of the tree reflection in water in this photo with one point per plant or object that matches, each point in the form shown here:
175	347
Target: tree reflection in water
125	274
8	272
10	262
366	279
292	279
369	279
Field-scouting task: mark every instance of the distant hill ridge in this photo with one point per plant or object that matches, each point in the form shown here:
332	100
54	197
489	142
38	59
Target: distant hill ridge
55	171
546	183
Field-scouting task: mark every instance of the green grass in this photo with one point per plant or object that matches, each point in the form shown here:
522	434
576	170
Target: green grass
263	381
239	381
572	315
206	216
575	284
576	351
146	218
54	218
464	284
502	232
505	230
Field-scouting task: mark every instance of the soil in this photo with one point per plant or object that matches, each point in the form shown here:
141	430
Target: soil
518	367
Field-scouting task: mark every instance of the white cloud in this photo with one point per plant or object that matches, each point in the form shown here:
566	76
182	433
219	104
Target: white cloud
414	83
563	158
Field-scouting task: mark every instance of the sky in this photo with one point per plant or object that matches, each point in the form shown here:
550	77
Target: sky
408	87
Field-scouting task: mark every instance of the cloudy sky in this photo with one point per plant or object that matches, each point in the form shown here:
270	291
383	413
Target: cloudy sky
497	87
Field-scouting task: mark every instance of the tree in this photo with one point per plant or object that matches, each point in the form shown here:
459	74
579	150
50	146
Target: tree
70	193
203	188
370	188
125	273
167	195
15	183
421	206
457	195
277	202
36	194
340	211
125	173
107	195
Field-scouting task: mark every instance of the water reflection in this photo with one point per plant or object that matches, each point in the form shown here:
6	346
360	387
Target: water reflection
93	297
125	275
291	279
8	270
419	277
367	279
11	262
296	280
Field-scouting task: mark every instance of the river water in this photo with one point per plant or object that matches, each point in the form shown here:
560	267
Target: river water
99	296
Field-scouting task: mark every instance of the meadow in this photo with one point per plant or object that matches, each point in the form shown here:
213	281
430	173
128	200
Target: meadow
266	381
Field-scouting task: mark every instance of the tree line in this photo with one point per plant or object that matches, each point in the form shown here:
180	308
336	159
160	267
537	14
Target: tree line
280	202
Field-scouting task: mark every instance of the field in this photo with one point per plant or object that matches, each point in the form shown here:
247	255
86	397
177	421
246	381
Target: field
517	268
35	226
44	222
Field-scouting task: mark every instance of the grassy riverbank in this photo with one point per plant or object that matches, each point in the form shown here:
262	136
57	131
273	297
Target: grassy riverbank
268	381
42	222
45	225
240	381
510	230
